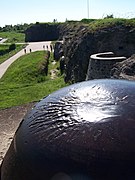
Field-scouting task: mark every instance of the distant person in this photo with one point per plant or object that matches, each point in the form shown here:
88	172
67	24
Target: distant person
30	50
47	47
25	51
62	65
51	47
44	47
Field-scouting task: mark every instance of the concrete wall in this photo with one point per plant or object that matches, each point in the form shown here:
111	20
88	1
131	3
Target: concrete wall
100	65
42	32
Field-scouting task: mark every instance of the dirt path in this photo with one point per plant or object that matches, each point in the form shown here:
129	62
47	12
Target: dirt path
53	72
9	120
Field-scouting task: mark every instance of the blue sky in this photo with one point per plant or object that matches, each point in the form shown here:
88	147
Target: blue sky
31	11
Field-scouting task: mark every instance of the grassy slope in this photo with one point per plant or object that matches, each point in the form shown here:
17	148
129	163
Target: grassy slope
13	37
23	83
11	53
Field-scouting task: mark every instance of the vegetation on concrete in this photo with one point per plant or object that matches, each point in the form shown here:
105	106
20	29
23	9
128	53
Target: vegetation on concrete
16	33
24	82
110	22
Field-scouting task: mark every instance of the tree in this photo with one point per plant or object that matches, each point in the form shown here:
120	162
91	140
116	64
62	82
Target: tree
12	47
109	16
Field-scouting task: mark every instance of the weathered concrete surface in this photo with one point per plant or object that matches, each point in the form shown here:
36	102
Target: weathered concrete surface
9	120
101	64
79	48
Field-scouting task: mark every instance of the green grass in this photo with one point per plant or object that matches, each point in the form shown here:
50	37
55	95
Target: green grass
110	22
11	53
4	46
23	82
13	37
26	69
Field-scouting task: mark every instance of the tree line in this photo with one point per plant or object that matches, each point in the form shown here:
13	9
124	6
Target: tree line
20	28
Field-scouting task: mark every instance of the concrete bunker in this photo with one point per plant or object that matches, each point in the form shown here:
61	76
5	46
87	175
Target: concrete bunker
101	64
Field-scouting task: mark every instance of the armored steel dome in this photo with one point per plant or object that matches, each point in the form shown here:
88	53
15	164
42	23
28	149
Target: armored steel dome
85	131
